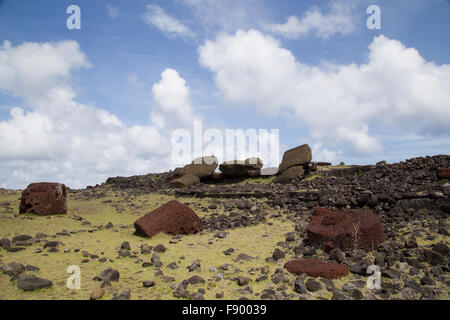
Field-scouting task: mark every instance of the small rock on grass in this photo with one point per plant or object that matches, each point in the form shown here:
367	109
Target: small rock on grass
148	283
278	254
109	275
97	293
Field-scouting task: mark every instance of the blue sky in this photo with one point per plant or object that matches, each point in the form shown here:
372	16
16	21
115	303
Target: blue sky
354	94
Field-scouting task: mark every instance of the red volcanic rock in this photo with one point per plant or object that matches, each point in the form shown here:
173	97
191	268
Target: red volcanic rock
44	198
345	228
316	268
443	173
172	217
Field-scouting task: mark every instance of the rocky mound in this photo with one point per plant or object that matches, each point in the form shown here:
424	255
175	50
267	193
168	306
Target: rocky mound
44	198
140	184
316	268
172	218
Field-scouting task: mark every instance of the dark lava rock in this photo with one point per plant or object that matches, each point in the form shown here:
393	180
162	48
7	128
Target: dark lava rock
228	251
51	244
13	269
148	283
172	218
194	266
441	248
299	285
5	243
30	282
109	275
312	285
21	238
160	248
278	254
243	281
125	246
433	257
195	280
44	198
290	236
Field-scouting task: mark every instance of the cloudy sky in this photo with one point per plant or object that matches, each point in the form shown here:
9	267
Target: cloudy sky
78	106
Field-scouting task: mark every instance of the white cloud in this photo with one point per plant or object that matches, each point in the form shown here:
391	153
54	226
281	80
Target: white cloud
32	68
339	20
172	107
113	11
395	92
62	140
172	27
321	153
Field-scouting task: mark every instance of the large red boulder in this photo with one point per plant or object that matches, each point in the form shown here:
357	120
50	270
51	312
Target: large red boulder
44	198
172	218
443	173
347	229
316	268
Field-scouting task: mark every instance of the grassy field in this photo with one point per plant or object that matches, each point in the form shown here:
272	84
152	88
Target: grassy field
256	241
89	241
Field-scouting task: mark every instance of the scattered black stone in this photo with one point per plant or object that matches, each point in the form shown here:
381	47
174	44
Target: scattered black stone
30	282
278	254
160	248
313	285
109	275
148	283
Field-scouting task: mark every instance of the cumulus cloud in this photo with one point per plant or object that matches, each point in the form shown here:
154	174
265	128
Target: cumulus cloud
172	107
155	16
60	139
339	20
396	91
32	68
